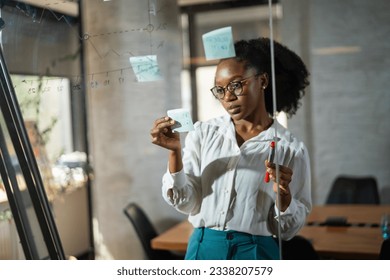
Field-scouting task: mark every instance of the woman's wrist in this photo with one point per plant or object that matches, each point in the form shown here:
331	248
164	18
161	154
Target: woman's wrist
175	161
285	200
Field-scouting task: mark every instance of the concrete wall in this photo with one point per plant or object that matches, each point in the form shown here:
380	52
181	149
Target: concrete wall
344	120
121	111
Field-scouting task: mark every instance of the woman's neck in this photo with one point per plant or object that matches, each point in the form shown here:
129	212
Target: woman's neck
252	126
246	130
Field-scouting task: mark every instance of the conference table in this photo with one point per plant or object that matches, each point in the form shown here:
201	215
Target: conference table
359	238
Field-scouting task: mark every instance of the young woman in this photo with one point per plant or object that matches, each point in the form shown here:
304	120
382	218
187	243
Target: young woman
218	178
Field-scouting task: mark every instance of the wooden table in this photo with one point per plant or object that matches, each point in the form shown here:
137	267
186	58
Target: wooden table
355	214
175	238
347	242
344	242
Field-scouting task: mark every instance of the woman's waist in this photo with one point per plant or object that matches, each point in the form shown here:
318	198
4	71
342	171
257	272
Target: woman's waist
229	235
213	223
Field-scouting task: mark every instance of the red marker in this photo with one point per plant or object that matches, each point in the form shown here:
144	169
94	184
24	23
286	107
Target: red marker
270	159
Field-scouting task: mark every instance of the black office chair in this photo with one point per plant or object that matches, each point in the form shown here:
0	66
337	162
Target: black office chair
384	253
354	190
298	248
146	232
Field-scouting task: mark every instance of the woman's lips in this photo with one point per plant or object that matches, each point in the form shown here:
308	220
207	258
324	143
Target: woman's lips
233	109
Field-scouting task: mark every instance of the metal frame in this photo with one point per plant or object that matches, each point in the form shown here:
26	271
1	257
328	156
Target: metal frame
22	146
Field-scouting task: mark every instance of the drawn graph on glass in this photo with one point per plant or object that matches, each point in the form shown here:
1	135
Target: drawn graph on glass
113	45
117	48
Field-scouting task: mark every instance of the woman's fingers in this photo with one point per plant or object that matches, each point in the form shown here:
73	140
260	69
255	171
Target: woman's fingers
281	185
161	125
285	173
161	133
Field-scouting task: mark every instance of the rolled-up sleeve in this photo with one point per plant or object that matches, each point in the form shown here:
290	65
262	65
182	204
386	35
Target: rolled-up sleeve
171	193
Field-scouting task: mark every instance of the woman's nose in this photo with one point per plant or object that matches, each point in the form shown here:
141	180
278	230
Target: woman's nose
229	96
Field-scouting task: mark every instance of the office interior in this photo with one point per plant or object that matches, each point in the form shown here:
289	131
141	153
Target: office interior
88	115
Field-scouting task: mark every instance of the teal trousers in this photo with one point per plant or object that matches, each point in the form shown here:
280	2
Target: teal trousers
209	244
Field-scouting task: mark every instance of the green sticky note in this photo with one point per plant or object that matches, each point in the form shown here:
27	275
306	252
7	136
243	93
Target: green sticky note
219	44
145	68
182	118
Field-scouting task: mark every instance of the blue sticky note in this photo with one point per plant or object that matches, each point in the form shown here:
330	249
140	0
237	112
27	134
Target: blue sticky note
145	68
183	120
219	44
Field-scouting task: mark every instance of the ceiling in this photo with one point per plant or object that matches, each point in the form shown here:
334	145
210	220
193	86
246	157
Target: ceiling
197	2
61	6
70	7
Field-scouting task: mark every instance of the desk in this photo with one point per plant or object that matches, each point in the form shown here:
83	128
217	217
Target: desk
354	242
344	242
355	214
175	238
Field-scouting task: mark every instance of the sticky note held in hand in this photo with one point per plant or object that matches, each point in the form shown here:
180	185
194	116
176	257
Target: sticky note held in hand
183	120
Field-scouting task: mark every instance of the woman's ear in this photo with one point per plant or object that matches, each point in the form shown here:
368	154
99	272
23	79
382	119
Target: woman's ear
264	80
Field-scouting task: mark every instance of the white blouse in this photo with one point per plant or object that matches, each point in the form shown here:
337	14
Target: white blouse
222	185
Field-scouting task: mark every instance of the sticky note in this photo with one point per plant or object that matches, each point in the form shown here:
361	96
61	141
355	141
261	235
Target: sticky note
145	68
182	118
219	43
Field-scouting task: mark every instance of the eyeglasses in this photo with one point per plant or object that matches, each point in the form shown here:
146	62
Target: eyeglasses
234	87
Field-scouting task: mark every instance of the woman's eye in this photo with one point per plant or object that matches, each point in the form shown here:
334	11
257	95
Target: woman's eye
234	86
220	90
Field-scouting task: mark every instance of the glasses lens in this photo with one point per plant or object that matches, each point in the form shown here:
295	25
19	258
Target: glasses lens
235	88
218	92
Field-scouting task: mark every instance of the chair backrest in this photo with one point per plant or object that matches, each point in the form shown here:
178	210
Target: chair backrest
298	248
385	195
354	190
145	231
384	253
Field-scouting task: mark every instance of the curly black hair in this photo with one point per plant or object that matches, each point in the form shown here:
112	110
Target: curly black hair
291	75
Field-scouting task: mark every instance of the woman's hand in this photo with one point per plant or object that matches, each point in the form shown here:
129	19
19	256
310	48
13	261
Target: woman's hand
162	134
285	177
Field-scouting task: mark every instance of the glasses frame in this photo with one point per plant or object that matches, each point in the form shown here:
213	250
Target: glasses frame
232	90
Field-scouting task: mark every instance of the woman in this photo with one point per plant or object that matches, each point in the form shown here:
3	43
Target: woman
219	179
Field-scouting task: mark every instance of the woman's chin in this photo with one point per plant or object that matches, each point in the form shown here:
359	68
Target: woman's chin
236	116
234	111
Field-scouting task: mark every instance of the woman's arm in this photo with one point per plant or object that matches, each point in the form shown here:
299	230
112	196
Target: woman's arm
293	218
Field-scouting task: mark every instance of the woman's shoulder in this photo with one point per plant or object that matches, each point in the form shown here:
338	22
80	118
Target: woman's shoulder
218	126
289	139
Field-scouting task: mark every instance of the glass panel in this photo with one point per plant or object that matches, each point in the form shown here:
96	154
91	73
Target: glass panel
45	106
23	211
247	22
42	49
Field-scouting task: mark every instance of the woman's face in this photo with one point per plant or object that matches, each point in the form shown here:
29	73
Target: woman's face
247	104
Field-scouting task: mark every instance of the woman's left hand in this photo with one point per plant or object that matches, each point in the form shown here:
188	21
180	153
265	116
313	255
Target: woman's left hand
285	177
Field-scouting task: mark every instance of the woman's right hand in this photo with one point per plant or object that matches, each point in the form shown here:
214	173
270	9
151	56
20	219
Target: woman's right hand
162	134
